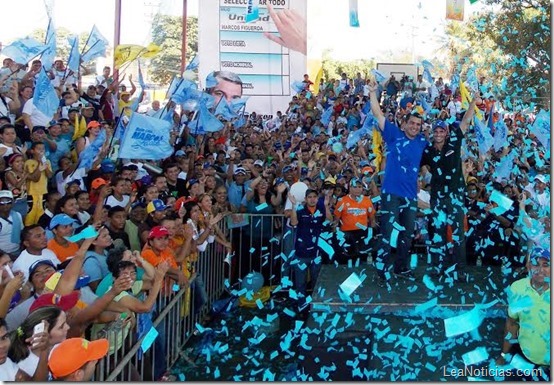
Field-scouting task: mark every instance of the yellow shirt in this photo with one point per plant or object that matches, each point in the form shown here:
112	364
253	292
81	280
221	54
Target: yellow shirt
532	312
40	187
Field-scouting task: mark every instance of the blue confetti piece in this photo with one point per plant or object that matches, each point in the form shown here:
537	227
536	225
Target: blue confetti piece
181	377
351	284
475	356
149	339
217	374
262	206
252	250
421	308
325	247
463	323
176	287
429	283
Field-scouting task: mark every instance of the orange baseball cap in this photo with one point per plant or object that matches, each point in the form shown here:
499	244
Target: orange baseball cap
93	124
73	353
97	183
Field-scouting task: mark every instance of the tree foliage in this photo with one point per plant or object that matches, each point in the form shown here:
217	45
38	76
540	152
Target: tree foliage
332	69
167	33
509	43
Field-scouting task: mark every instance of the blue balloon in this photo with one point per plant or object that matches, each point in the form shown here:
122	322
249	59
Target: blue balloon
253	281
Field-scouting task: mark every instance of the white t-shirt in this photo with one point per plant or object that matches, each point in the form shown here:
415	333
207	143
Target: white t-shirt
6	243
37	117
454	107
8	370
25	260
79	174
4	106
112	201
30	364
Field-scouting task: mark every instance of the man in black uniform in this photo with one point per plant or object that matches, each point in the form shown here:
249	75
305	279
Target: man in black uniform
443	157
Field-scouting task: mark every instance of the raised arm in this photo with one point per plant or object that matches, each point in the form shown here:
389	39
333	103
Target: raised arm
468	116
375	109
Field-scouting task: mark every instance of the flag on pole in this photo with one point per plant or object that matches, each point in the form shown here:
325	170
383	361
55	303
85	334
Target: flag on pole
317	80
146	138
45	98
48	56
95	46
24	50
194	63
483	136
126	53
541	128
464	93
298	86
208	122
74	57
353	13
87	156
326	116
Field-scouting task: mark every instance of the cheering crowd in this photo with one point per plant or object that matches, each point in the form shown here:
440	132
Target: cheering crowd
380	168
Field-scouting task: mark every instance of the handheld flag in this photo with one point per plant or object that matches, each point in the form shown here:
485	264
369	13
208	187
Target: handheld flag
126	53
207	122
45	98
317	80
146	138
74	57
224	110
95	46
454	83
500	135
464	93
87	156
48	56
22	51
483	136
541	128
326	116
241	121
297	86
353	13
379	76
194	63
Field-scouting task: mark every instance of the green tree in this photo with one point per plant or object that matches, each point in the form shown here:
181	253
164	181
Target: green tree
509	43
332	69
62	45
167	33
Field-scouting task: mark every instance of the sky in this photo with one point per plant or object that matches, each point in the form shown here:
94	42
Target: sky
385	25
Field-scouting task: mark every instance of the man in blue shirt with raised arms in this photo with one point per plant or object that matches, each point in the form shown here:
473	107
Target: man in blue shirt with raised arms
404	148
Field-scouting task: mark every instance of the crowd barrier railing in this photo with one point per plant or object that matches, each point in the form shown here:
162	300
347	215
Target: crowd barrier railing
175	318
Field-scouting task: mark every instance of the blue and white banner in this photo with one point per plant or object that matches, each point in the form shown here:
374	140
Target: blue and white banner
95	46
22	51
146	138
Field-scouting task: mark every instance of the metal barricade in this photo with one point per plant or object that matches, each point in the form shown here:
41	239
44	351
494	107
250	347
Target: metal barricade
264	245
176	316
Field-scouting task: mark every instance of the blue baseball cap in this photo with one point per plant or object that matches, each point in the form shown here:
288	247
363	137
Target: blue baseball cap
539	252
440	124
107	166
155	205
60	219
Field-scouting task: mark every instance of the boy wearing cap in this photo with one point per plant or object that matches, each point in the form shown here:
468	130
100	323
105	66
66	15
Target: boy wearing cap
155	212
444	160
355	214
62	226
529	323
75	359
308	221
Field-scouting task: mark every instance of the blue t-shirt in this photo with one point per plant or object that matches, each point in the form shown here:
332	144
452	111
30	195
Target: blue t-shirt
403	160
95	266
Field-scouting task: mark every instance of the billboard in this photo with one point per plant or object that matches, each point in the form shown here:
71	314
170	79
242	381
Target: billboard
267	53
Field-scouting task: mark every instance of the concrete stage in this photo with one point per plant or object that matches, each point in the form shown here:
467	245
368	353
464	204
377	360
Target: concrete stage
399	340
486	284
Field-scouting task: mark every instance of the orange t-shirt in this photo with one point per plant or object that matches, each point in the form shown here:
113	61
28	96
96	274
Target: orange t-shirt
350	213
155	259
63	252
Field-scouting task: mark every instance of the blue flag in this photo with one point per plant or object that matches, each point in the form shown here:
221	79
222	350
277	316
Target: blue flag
95	46
500	135
146	138
541	128
87	156
472	81
366	108
24	50
483	136
427	64
238	104
241	121
74	56
427	76
298	86
185	90
141	78
379	76
505	167
224	110
49	54
45	98
454	83
207	122
194	63
326	116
